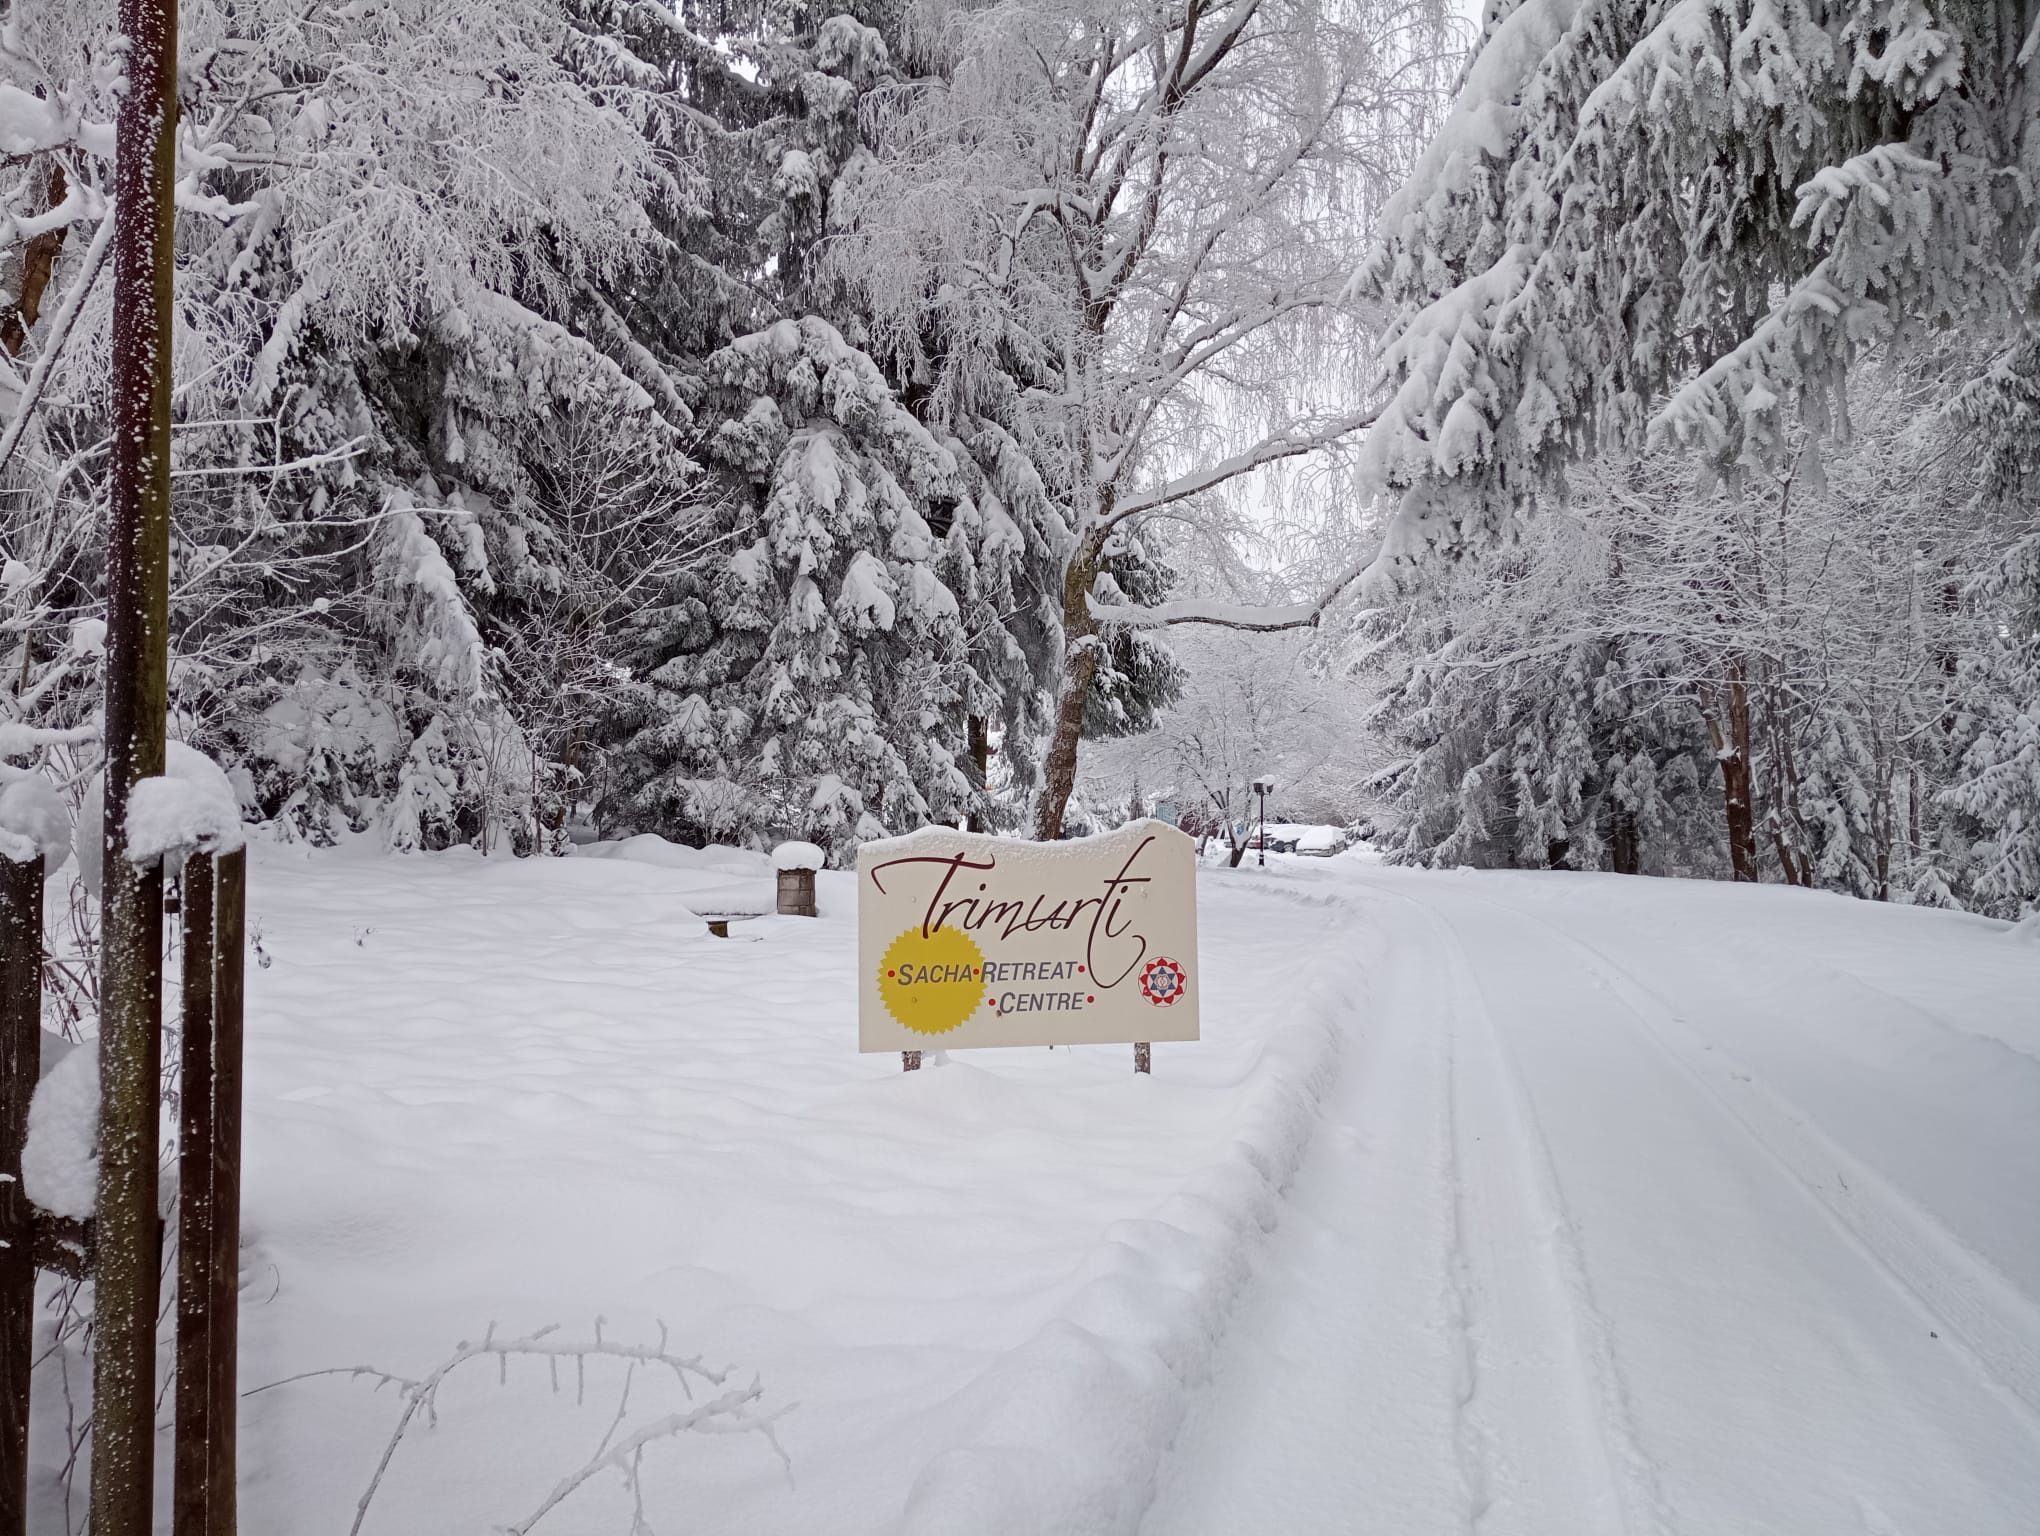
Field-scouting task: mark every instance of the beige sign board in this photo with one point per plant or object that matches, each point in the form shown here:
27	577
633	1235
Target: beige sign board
965	940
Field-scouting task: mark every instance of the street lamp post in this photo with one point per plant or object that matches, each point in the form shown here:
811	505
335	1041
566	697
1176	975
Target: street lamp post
1263	788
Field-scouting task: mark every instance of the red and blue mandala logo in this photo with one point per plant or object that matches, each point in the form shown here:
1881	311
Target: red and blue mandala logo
1162	981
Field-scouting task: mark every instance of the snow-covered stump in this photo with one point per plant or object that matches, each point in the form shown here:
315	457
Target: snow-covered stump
796	864
209	1194
21	913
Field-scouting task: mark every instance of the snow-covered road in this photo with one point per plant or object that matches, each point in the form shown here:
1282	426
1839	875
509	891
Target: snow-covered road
1733	1233
1489	1205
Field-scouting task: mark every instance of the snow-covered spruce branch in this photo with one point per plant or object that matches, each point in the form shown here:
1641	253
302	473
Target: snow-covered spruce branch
728	1412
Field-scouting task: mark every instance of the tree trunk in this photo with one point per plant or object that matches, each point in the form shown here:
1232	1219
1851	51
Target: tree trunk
1726	709
979	733
1080	666
1625	850
38	260
126	1269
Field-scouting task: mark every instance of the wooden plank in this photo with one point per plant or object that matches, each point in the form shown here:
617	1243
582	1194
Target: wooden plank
197	1151
21	896
230	954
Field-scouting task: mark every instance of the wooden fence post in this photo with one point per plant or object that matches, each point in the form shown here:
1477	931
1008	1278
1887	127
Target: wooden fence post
209	1218
192	1480
21	919
229	965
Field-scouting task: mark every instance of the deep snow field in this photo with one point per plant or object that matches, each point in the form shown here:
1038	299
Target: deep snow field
1531	1205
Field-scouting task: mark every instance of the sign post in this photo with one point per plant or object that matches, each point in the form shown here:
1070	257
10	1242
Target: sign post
965	940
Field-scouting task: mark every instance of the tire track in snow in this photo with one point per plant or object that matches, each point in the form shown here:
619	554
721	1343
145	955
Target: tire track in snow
1996	1325
1328	1408
1547	1441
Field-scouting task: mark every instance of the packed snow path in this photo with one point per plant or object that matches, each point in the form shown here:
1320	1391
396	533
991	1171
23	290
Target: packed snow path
1539	1205
1737	1232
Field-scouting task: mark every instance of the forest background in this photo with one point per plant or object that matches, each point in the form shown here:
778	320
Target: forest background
752	420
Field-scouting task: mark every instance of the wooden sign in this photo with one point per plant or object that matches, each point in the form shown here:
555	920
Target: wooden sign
965	940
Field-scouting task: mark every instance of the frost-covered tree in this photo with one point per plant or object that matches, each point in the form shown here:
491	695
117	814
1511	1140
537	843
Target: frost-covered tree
1122	233
1780	683
1252	706
397	226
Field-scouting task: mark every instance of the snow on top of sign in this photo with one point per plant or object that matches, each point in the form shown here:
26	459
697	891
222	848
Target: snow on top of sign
799	856
1015	851
34	821
191	805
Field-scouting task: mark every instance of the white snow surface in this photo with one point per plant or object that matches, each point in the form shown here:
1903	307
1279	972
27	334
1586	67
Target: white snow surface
1533	1205
798	856
60	1159
34	821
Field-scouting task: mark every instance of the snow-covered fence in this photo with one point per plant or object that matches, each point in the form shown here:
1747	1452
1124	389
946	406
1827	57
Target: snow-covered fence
214	908
211	906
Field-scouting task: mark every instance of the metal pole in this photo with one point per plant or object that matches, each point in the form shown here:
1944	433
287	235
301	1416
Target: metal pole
1261	853
131	912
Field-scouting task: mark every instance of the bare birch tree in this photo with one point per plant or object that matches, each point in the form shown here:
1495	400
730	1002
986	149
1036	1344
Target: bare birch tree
1124	230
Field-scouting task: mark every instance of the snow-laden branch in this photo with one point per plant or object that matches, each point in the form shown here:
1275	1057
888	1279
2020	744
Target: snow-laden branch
726	1413
1270	450
60	330
1260	618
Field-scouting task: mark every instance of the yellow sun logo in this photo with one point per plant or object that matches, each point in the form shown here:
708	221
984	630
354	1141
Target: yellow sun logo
932	984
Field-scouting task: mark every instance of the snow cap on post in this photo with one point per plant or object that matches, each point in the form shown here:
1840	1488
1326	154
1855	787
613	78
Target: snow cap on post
799	856
60	1160
34	821
190	807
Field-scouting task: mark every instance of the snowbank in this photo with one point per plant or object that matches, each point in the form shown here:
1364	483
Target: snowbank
650	848
1065	1432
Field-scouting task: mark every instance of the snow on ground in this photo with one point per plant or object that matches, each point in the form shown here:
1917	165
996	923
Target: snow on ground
537	1092
1648	1207
1533	1205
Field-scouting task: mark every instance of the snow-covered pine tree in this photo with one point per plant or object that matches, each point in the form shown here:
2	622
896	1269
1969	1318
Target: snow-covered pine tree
819	685
1686	217
397	227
